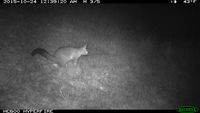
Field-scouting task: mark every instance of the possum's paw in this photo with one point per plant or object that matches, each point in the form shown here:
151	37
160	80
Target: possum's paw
55	65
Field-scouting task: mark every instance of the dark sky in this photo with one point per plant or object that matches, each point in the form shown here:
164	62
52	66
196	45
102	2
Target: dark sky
163	19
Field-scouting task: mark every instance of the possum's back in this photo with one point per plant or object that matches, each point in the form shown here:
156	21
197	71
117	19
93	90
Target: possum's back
64	54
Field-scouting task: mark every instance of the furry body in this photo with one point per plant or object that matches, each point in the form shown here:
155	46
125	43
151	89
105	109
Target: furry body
62	55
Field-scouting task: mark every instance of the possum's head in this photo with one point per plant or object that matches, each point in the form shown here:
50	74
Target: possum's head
84	50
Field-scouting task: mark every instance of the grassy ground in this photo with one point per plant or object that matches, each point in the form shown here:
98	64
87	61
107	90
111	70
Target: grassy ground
132	62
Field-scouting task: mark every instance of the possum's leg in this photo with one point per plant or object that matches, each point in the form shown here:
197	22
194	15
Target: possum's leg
75	61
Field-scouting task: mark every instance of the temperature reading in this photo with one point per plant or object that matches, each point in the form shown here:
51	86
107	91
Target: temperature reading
189	1
174	1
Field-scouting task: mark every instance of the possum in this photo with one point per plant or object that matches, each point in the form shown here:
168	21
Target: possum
62	55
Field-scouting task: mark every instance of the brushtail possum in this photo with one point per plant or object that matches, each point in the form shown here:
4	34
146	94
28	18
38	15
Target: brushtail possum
62	55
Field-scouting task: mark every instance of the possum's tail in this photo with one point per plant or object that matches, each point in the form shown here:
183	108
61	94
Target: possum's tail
44	53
